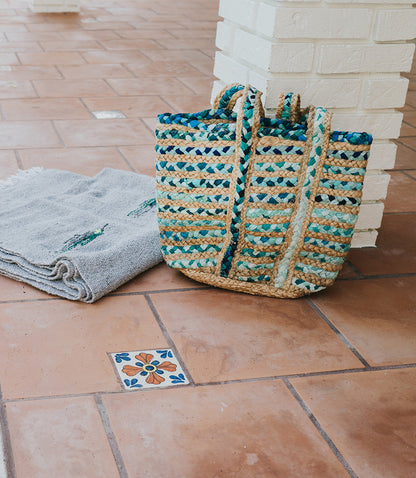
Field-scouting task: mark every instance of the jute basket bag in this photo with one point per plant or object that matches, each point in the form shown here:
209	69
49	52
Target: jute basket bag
254	204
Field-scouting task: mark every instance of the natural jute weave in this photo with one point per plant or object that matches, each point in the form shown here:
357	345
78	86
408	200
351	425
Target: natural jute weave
254	204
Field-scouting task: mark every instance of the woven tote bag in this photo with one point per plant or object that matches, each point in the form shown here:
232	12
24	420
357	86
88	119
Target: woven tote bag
260	205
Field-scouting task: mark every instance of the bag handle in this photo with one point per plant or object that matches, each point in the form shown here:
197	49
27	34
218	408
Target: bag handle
248	122
228	96
288	107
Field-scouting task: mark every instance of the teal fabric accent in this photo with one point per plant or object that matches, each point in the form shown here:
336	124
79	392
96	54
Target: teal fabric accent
335	231
341	185
199	248
335	246
184	223
193	183
192	198
329	169
192	263
324	258
247	265
253	213
306	285
273	181
277	167
322	213
318	137
264	240
267	228
308	269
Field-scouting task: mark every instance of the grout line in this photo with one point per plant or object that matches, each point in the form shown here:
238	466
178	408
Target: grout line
320	429
111	436
408	175
223	382
6	441
18	159
355	269
382	276
57	133
86	107
405	145
125	159
59	71
168	338
110	86
338	333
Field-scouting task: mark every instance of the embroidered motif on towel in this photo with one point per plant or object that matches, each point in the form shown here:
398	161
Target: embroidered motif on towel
143	208
80	240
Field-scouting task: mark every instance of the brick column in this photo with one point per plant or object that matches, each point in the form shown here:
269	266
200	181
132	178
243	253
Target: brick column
345	56
55	6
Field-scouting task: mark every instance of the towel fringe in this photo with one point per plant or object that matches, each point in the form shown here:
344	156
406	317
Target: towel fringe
21	175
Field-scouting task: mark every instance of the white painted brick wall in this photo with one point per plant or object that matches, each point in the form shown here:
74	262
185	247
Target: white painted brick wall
361	57
55	6
395	25
343	55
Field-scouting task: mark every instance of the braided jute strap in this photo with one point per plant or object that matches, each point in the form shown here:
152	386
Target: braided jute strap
319	131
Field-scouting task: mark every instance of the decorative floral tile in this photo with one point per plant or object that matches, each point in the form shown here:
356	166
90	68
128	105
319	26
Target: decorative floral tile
149	369
108	114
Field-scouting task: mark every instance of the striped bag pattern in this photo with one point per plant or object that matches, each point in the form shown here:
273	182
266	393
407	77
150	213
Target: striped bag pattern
260	205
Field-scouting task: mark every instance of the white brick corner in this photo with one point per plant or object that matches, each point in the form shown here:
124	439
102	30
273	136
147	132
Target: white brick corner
345	56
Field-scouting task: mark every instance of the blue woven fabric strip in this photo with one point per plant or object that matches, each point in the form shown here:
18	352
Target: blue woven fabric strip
245	152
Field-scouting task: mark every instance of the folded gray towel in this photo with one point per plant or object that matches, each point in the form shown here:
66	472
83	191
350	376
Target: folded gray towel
75	236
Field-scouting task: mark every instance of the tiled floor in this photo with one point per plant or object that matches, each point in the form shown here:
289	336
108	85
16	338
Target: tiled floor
249	386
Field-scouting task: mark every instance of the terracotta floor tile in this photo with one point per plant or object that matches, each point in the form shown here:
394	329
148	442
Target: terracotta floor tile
131	44
410	116
191	33
21	73
51	58
88	161
411	98
28	134
401	195
6	28
164	68
230	430
50	27
122	132
409	142
126	56
19	46
142	158
377	316
407	130
187	43
347	272
153	34
63	437
75	45
8	59
8	164
371	418
131	107
405	158
160	277
79	35
151	123
33	36
60	347
191	56
187	103
200	86
107	26
69	88
94	71
13	290
275	336
16	89
40	109
396	248
149	86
